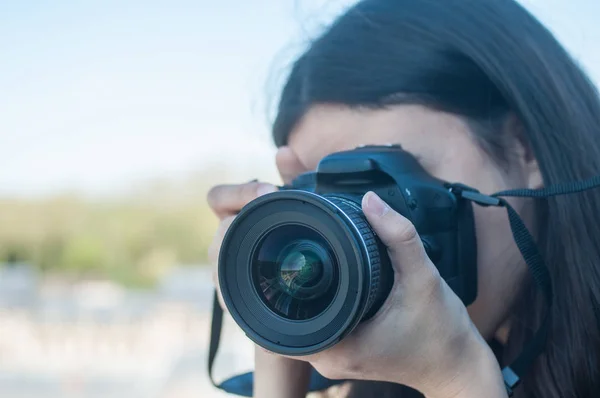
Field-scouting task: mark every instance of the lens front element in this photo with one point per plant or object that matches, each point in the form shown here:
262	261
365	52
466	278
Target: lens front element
294	272
302	269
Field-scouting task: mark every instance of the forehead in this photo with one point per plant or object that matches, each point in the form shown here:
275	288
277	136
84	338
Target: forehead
431	136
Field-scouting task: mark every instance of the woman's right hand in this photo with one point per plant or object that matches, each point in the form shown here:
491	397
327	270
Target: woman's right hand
274	376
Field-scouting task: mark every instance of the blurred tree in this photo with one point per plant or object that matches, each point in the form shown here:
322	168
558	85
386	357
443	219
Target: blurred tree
132	239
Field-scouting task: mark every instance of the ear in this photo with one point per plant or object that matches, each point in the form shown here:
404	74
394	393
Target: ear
523	153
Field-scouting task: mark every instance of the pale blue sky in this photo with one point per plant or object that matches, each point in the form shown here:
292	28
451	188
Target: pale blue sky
95	96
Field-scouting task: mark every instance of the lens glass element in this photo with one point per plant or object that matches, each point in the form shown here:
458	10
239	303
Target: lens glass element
294	272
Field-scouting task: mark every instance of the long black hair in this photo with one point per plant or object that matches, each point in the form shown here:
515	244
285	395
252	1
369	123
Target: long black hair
485	60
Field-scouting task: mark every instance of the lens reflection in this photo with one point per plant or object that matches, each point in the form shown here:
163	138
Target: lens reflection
301	268
294	272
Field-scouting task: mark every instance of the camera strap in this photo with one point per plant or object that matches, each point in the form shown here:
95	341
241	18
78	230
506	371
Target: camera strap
242	385
514	373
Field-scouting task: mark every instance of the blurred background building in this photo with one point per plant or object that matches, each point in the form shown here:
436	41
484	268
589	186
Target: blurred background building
115	119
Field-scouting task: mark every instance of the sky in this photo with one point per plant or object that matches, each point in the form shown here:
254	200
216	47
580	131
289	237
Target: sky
98	95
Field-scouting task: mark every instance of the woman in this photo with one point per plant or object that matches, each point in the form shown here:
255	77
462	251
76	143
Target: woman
481	93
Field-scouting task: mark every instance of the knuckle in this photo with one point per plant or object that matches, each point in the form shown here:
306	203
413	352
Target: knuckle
431	284
248	191
343	361
213	195
329	371
404	231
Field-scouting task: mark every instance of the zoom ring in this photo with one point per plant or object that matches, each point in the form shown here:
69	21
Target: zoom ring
355	214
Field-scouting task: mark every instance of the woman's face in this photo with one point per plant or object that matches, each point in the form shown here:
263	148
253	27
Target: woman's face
447	150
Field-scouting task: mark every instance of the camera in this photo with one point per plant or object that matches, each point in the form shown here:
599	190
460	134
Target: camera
300	268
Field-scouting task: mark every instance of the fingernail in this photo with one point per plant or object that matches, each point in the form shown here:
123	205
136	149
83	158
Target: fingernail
374	204
264	189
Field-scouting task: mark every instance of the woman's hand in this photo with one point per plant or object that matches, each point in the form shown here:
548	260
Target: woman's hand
274	376
226	201
422	336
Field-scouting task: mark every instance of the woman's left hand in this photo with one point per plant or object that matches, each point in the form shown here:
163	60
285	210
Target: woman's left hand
422	336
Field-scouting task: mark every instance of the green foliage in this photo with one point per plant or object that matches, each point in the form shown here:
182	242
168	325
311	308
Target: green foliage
132	240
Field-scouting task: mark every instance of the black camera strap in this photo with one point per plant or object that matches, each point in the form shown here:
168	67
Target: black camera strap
242	385
514	373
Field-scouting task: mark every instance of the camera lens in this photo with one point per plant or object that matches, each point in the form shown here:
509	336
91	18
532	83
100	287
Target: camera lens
294	272
298	271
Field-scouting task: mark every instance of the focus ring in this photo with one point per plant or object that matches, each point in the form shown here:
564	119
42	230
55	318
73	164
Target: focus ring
357	218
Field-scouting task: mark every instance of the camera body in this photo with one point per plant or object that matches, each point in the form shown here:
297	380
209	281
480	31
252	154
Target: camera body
301	267
442	220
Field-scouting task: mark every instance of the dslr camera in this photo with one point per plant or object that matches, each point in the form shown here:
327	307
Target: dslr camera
300	268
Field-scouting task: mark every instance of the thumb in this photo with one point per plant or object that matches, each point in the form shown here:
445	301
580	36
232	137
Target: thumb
404	245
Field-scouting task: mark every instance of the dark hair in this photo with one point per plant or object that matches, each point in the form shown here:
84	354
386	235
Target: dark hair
485	60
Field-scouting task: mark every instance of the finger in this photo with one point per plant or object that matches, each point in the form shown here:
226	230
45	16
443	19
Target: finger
288	164
404	245
213	255
228	200
219	294
215	246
